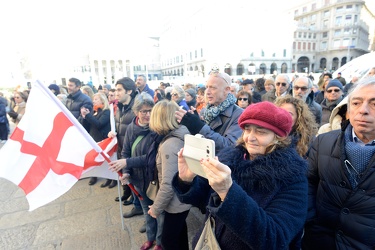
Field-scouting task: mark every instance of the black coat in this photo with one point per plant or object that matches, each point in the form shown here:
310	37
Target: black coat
340	217
124	117
136	163
99	124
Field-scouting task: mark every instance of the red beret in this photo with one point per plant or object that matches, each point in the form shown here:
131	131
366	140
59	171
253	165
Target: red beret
269	116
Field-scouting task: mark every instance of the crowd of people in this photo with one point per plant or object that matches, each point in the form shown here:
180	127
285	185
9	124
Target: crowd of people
294	165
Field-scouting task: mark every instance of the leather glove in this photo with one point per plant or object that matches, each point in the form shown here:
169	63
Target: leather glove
13	114
192	122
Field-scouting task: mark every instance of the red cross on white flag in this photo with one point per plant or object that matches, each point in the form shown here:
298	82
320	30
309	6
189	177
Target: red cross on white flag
49	149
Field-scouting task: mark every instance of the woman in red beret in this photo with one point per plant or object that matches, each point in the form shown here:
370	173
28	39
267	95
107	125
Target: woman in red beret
255	191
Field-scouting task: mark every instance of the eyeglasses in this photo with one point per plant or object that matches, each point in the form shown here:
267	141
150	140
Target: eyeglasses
243	99
282	83
144	112
302	88
17	97
174	94
330	90
215	72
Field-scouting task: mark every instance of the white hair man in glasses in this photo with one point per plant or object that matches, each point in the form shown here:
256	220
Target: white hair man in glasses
342	179
221	115
333	95
282	84
302	89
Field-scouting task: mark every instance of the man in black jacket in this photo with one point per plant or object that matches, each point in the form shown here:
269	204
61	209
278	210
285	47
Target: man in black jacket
76	99
341	177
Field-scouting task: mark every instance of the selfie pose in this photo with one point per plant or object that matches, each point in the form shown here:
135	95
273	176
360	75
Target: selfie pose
256	192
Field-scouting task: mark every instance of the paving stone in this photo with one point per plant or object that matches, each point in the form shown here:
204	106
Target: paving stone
17	238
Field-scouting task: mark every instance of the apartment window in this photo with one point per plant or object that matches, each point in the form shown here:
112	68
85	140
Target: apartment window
349	7
196	54
325	34
326	13
304	20
323	45
294	45
309	35
312	26
314	36
325	23
337	32
348	19
309	46
345	42
299	45
313	46
284	52
295	35
313	6
347	31
296	12
304	46
304	34
355	19
339	9
313	17
336	43
338	20
304	9
299	34
353	42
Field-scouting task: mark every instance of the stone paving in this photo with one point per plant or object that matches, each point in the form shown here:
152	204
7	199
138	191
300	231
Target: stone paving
85	217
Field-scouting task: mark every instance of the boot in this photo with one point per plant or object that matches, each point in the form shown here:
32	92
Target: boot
93	180
113	184
106	183
126	195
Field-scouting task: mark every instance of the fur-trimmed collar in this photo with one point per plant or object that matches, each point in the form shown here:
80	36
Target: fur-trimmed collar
267	172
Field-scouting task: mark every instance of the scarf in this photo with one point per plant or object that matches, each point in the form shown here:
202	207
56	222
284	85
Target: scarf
96	107
213	111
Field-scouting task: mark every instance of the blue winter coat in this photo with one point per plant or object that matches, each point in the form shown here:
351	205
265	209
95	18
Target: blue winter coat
266	205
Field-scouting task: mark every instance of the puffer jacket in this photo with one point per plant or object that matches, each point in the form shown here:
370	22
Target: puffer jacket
339	217
136	163
75	101
266	206
166	163
124	117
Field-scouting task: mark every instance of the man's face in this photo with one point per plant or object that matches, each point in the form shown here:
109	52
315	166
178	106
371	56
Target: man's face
111	96
122	95
247	88
141	83
106	91
333	93
217	90
281	85
301	89
362	113
72	88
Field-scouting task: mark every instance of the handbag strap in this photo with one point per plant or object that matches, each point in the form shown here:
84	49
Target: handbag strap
135	143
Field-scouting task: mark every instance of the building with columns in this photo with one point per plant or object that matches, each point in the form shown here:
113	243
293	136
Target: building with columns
331	32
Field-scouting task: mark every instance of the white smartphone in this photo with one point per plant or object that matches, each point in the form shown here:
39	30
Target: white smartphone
196	148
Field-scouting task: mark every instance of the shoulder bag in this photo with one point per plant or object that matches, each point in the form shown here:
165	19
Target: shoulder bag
208	240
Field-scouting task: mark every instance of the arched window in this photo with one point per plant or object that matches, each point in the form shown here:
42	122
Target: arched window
240	69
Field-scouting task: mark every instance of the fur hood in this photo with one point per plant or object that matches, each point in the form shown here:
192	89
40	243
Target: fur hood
266	172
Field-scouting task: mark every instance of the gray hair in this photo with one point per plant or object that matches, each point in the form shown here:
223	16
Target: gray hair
144	77
141	100
365	82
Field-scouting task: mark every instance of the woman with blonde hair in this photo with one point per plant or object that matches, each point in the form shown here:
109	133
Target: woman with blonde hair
87	90
20	99
99	121
166	203
304	126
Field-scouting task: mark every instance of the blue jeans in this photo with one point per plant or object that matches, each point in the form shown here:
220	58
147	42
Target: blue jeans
154	227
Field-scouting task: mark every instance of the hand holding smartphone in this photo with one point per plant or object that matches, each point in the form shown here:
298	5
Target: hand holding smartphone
196	148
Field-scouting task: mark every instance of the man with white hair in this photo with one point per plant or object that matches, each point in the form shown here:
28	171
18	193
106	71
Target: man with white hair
221	115
282	84
342	179
302	89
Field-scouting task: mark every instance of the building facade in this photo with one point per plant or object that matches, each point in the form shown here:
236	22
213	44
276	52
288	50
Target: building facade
331	32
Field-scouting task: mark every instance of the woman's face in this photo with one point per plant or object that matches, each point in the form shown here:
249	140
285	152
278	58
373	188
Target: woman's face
144	114
188	97
243	101
257	139
200	97
291	109
97	101
18	98
269	86
174	96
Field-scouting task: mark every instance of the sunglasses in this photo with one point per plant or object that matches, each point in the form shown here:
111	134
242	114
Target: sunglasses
174	94
144	112
282	83
302	88
243	99
330	90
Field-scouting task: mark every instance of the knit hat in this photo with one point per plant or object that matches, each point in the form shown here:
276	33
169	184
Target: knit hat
55	88
191	92
267	115
107	86
334	83
247	81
